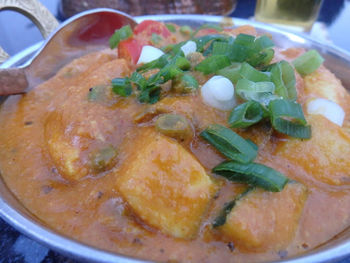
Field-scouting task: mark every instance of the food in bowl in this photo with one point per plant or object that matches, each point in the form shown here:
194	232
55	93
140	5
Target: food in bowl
175	144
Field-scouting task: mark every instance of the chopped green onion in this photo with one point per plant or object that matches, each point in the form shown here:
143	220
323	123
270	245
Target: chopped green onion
221	218
221	48
258	91
250	73
213	63
155	39
253	174
282	75
182	63
123	33
246	114
185	83
231	72
229	143
186	30
308	62
157	63
150	95
287	117
122	86
171	28
262	43
203	41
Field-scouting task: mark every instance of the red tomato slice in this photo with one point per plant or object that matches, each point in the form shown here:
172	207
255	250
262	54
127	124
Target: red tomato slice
148	27
130	49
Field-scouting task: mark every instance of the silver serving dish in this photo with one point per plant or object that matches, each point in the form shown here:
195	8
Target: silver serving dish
12	211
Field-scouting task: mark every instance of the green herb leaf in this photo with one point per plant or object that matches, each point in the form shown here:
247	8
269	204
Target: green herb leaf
123	33
213	63
122	86
287	117
246	114
229	143
150	95
253	174
308	62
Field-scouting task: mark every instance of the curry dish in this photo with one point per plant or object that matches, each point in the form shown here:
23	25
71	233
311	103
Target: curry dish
144	149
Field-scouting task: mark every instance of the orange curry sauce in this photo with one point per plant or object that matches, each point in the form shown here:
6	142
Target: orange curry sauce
47	138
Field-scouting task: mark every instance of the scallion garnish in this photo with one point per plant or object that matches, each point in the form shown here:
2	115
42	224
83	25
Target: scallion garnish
186	30
262	92
246	114
254	174
282	75
229	143
122	86
250	73
308	62
287	117
213	63
231	72
123	33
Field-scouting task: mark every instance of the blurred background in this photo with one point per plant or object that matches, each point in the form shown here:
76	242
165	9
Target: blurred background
327	20
332	23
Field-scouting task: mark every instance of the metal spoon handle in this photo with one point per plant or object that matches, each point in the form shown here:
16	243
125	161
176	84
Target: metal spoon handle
35	11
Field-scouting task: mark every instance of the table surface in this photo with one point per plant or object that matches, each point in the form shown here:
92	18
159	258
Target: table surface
332	25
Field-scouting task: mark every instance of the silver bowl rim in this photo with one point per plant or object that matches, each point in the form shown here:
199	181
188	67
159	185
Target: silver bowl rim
80	251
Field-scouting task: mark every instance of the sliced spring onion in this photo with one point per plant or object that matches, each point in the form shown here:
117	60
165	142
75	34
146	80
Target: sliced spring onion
246	114
122	86
287	117
258	91
150	95
308	62
158	63
229	143
203	41
262	43
182	63
221	48
221	218
123	33
213	63
253	174
250	73
282	75
231	72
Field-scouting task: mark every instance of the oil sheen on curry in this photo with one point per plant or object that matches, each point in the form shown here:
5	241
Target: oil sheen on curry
182	145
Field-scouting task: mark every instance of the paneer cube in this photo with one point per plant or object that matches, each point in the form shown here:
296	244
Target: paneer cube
325	156
165	185
263	220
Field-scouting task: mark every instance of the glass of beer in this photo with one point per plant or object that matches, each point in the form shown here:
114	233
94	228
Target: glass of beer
294	14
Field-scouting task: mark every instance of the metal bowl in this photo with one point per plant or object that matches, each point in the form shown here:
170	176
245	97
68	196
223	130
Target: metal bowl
12	211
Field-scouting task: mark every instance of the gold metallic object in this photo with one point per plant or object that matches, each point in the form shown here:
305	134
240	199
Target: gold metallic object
35	11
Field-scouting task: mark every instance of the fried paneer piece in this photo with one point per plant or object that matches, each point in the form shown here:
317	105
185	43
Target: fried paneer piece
325	156
165	185
263	220
65	156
